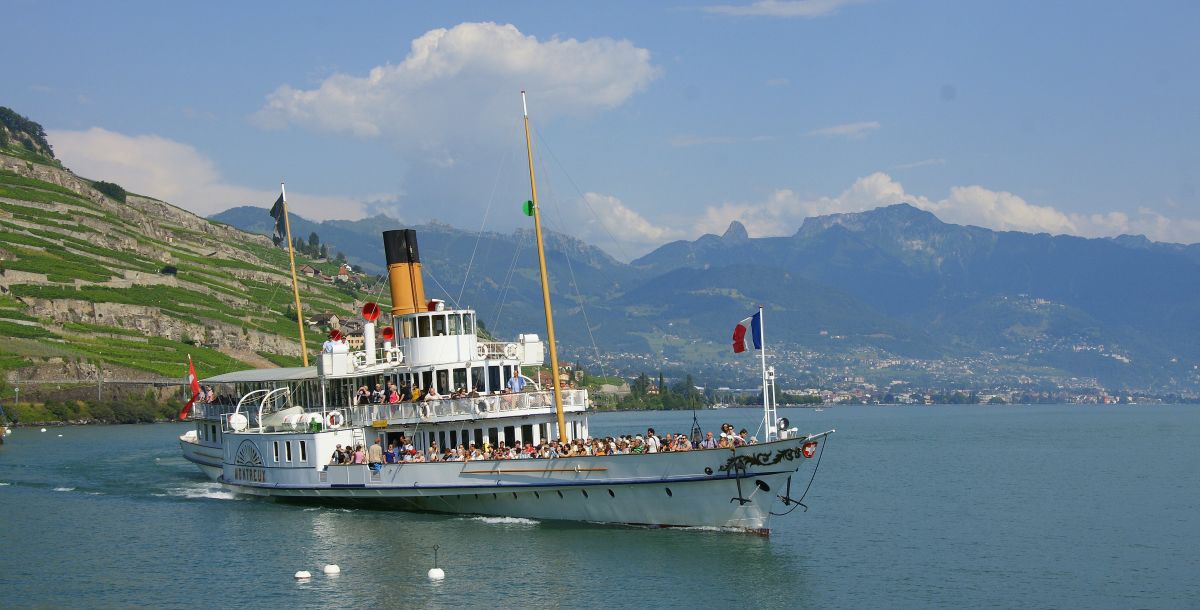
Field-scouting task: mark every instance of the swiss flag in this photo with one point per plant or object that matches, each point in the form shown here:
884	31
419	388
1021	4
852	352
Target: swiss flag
195	383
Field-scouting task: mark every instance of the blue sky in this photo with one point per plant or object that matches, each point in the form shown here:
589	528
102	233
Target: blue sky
654	121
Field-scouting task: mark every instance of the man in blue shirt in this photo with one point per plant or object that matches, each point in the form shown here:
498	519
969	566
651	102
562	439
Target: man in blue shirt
516	384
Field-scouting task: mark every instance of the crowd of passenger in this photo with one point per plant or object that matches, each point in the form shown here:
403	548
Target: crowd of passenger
403	450
393	393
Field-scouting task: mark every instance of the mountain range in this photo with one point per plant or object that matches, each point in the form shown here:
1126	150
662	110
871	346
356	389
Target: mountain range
868	289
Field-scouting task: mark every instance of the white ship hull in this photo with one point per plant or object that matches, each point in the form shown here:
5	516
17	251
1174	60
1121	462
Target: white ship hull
720	488
206	458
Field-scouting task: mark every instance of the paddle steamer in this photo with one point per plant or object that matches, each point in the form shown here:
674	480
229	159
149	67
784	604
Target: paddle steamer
276	441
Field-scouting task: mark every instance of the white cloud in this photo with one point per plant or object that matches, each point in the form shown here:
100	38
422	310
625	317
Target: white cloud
847	130
783	211
806	9
453	81
179	174
605	221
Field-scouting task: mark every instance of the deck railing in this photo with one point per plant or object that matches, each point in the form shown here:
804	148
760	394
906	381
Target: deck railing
479	407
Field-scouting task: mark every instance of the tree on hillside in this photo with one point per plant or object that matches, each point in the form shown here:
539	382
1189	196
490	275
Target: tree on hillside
35	136
114	191
314	243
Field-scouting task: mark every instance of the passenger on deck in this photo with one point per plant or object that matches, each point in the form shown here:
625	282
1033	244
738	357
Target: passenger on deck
378	396
652	442
709	442
742	438
682	443
432	394
726	442
516	383
389	456
375	453
364	396
393	396
337	457
406	394
359	456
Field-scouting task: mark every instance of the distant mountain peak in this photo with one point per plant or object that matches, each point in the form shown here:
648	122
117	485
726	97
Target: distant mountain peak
735	232
893	215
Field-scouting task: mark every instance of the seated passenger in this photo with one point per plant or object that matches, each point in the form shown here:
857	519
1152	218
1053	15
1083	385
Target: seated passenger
742	438
724	442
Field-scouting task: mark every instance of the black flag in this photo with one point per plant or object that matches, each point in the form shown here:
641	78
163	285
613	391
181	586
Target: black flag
278	213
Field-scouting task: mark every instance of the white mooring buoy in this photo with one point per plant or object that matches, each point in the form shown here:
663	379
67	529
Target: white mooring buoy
332	569
436	573
43	429
60	436
302	575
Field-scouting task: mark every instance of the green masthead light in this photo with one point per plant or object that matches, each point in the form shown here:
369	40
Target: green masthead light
527	207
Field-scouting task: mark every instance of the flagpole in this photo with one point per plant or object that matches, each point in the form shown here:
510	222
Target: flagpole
287	226
762	334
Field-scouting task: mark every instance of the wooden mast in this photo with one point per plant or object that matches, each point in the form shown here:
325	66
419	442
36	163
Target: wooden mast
537	229
287	226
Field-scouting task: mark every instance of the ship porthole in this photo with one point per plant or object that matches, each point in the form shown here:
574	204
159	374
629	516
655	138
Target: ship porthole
560	494
669	494
611	494
762	485
707	470
584	492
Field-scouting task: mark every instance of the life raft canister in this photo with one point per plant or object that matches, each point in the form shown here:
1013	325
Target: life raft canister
335	419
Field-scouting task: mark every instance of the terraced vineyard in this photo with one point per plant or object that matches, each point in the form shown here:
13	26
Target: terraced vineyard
89	283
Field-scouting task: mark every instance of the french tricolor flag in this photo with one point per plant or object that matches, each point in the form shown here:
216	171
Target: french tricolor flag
752	325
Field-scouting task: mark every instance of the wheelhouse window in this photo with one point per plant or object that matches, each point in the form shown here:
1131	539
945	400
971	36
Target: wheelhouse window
423	326
460	379
439	325
455	324
408	328
468	324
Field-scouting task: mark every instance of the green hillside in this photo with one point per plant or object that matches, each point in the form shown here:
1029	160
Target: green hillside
132	287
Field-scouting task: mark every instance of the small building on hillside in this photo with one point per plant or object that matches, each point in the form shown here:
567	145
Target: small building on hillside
325	319
309	271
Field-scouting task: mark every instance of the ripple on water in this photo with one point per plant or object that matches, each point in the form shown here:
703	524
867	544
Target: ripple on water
64	489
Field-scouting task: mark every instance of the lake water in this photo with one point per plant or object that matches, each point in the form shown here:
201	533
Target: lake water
1026	506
